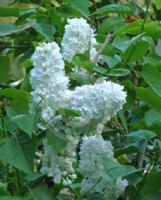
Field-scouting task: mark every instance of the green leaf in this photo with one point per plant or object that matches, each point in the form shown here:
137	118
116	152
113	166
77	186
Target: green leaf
131	148
158	4
153	196
135	51
115	8
20	106
5	12
34	179
123	120
81	80
141	134
20	99
152	184
56	143
13	198
111	61
121	42
12	153
25	122
4	67
82	62
121	171
10	112
116	170
68	11
6	29
153	60
15	94
81	6
108	164
100	70
28	147
10	29
14	12
152	117
148	96
153	78
25	86
110	24
96	196
47	30
151	28
57	133
11	126
131	94
118	72
42	193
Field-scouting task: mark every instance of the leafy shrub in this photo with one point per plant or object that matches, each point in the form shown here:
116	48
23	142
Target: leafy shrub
80	110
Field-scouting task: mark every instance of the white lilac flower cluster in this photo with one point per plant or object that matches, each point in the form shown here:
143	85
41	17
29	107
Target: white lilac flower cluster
60	168
48	78
93	151
98	102
78	37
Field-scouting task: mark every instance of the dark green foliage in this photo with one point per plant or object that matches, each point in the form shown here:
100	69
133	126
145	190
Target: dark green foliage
131	58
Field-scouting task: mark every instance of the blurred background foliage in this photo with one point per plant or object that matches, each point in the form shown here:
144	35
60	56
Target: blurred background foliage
132	58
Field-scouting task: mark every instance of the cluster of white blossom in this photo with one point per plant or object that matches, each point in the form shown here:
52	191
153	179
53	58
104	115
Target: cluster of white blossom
77	38
60	167
111	189
100	101
93	151
48	78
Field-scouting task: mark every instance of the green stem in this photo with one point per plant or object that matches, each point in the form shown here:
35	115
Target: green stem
118	125
19	181
104	45
142	153
146	14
